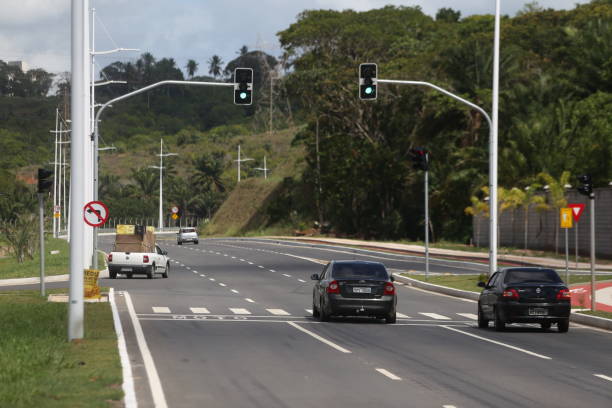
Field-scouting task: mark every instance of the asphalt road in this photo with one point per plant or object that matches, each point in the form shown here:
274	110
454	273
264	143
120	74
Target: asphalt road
232	327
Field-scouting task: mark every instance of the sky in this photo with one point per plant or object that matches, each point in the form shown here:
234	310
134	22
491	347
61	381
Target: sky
38	31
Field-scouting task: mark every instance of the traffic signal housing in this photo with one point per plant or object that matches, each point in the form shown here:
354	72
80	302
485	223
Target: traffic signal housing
420	158
368	75
243	86
587	185
45	180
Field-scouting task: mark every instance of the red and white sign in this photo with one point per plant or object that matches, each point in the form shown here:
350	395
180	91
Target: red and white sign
577	210
95	213
175	210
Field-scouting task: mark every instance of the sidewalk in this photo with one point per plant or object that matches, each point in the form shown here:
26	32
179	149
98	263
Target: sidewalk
451	253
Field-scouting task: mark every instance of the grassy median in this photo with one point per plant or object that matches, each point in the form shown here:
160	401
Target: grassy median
40	368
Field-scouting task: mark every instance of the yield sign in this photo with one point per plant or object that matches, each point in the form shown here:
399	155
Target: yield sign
577	210
95	213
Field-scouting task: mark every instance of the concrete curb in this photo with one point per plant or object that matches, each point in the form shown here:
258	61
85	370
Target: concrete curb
594	321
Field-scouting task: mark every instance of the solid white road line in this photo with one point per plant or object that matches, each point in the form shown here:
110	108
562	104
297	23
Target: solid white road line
222	284
279	312
321	339
402	316
239	311
235	291
531	353
469	315
126	366
605	377
388	374
161	309
199	310
249	300
159	399
435	316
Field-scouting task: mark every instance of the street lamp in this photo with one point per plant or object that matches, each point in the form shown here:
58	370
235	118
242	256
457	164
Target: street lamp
161	186
240	160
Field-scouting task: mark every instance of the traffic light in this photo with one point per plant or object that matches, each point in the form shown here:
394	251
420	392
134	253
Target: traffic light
243	86
587	185
367	81
420	158
45	180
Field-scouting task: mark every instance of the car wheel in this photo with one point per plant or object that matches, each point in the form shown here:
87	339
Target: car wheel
315	311
165	274
499	323
129	275
563	326
150	272
179	243
323	316
482	322
196	242
112	274
545	325
390	319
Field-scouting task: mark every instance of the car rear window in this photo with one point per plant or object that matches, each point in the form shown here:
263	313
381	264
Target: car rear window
359	271
189	230
527	276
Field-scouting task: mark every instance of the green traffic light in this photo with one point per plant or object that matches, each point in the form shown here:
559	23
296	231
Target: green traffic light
243	95
369	90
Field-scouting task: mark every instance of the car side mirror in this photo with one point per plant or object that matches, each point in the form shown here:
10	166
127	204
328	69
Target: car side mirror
314	276
482	284
392	278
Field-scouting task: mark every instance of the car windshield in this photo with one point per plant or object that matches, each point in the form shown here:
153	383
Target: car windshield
529	276
359	271
189	230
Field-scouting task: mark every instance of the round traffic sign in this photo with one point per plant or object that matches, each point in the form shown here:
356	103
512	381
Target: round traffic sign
174	210
95	213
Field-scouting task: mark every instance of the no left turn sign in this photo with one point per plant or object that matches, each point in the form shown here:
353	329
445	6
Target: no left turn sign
95	213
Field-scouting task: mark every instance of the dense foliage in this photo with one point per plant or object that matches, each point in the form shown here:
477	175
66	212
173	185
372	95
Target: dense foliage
555	104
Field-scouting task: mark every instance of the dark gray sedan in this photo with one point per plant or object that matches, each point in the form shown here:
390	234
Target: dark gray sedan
354	288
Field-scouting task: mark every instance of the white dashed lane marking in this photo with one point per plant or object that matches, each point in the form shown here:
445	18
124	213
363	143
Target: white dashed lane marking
199	310
222	284
161	309
239	311
402	316
211	279
435	316
259	266
308	310
249	300
388	374
302	280
469	315
235	291
279	312
284	274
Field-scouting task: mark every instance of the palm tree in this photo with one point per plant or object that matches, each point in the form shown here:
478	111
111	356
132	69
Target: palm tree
477	209
214	66
192	67
530	197
556	197
146	183
244	50
209	169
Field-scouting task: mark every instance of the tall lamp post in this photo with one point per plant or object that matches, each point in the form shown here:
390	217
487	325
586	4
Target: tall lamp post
161	184
493	204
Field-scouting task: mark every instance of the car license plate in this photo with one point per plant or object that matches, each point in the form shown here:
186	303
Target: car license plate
362	290
538	311
126	269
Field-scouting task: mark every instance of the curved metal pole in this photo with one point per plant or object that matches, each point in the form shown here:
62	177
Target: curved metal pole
492	165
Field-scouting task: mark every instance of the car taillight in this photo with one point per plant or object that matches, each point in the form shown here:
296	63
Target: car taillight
510	294
389	289
564	294
145	258
110	257
333	287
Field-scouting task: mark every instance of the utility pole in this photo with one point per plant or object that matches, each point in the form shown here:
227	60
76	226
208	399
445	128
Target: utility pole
161	155
592	217
264	169
78	157
494	123
240	160
427	217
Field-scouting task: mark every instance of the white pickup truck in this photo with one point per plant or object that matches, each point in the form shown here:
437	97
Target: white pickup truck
135	252
146	263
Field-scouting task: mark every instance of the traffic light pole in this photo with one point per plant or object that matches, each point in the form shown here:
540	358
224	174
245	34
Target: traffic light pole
492	164
592	217
427	222
120	98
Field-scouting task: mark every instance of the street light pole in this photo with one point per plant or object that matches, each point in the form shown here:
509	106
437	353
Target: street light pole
240	160
493	147
161	155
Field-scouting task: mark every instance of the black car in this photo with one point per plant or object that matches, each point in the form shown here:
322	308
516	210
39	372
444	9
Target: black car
354	288
524	295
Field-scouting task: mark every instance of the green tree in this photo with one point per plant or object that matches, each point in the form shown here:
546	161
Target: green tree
192	67
215	64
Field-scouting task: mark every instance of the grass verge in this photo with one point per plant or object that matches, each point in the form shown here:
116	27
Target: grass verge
41	368
57	264
598	313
